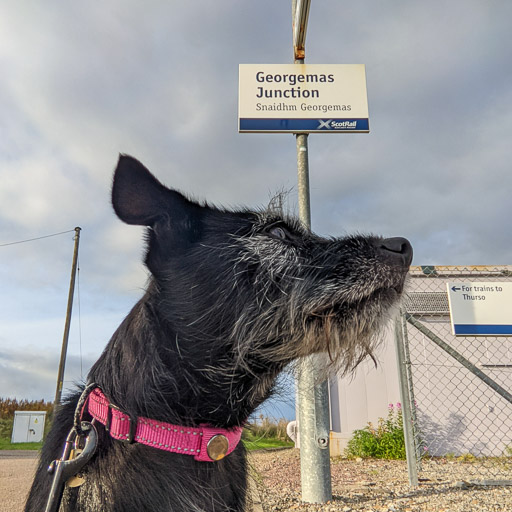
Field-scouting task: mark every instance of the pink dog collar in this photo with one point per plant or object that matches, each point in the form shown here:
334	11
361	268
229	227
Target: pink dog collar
204	443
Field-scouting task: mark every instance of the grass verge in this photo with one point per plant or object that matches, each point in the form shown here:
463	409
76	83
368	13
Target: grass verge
5	444
265	443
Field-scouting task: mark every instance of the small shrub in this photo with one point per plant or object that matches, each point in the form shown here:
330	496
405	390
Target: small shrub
5	428
468	458
9	405
384	441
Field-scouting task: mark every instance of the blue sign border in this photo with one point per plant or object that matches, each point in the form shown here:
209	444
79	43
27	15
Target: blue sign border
482	330
304	125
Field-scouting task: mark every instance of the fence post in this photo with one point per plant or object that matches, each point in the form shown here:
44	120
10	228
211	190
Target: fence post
405	397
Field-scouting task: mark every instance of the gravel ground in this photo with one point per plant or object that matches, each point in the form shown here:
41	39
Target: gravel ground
363	485
16	472
381	486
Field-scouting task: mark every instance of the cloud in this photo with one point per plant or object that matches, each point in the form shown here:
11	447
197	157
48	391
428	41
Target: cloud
32	375
81	83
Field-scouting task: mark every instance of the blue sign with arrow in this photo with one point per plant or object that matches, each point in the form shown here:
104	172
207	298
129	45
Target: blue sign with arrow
480	308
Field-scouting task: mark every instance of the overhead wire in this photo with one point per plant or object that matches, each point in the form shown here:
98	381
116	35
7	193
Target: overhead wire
78	285
37	238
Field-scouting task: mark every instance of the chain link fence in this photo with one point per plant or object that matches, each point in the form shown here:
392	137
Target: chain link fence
456	390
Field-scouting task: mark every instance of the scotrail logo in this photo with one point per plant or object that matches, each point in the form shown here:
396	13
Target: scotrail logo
332	124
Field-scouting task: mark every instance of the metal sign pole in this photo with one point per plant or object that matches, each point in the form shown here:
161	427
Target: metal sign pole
313	395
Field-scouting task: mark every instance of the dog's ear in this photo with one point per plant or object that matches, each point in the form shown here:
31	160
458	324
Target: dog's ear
139	198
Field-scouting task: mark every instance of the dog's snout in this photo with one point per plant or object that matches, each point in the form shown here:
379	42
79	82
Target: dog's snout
397	249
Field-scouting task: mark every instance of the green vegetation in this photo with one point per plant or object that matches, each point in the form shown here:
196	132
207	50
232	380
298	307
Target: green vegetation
5	444
266	434
7	408
258	435
265	444
385	441
9	405
464	457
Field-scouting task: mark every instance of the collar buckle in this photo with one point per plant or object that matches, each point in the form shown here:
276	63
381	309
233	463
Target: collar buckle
130	436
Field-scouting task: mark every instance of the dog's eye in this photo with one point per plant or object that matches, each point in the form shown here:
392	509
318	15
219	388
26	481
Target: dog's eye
278	232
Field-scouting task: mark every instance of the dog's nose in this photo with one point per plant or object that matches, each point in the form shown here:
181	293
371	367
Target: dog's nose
396	249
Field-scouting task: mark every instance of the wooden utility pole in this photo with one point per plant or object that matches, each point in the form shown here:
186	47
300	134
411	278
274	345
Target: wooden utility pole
62	363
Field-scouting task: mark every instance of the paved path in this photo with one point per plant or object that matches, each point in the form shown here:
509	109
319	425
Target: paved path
17	468
19	454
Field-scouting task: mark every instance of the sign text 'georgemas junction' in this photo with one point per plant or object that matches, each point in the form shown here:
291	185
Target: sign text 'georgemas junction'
302	98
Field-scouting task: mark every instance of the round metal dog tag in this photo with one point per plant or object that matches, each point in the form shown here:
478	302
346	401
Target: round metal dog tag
217	447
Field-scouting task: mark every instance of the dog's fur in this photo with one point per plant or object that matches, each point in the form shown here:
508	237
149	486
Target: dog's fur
234	297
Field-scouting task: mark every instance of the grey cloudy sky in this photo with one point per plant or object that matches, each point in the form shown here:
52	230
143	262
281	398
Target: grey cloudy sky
82	82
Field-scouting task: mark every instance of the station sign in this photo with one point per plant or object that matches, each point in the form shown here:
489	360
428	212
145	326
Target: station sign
480	308
303	98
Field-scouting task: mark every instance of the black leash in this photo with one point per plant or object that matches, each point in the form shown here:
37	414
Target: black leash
80	446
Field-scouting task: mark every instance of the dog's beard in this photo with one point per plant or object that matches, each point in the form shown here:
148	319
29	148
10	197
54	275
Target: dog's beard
346	334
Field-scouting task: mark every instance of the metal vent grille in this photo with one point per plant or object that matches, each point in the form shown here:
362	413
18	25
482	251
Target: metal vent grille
427	303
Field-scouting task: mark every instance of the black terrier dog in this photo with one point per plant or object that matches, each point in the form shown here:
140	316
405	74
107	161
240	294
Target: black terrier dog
234	297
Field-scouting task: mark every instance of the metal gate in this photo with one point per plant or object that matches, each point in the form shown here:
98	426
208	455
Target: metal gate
456	391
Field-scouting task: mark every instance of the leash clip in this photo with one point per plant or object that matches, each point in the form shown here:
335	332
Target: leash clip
64	468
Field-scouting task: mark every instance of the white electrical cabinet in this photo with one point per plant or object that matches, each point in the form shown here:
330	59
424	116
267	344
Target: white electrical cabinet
28	426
